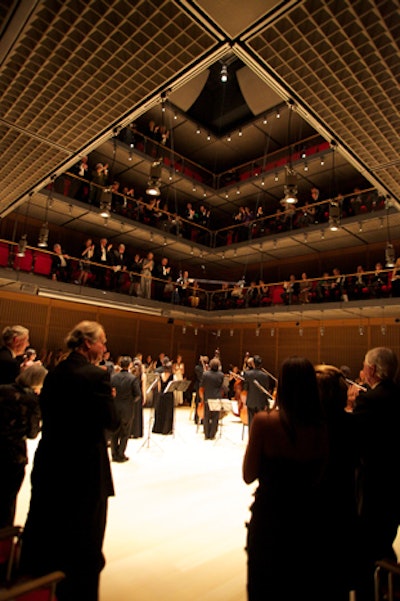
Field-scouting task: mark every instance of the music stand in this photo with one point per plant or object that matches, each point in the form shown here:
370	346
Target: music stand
150	422
223	406
181	386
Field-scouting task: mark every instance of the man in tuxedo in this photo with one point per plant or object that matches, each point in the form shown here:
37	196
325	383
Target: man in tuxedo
256	399
211	387
376	416
15	341
103	256
120	267
127	393
71	477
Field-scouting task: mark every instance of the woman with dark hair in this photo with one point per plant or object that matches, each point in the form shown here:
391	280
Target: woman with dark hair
288	453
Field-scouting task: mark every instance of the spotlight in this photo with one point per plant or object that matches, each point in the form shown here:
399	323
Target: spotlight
105	203
278	114
224	74
43	235
22	246
208	137
153	187
290	189
306	166
334	216
198	130
265	120
276	177
240	134
390	257
322	161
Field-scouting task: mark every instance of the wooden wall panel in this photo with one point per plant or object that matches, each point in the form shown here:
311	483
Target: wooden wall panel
27	313
341	343
298	340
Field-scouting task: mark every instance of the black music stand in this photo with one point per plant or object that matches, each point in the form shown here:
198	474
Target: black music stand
223	406
181	386
147	440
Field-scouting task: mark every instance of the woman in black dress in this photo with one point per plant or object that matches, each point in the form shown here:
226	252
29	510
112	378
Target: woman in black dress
164	401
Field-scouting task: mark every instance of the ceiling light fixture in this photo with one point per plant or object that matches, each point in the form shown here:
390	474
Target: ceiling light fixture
322	161
105	203
276	177
224	73
22	244
334	216
265	120
390	256
290	187
153	186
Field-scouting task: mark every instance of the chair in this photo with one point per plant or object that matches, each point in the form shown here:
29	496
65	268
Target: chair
387	580
10	542
42	263
35	589
4	254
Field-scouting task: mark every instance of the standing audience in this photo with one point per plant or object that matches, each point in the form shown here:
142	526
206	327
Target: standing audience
287	453
377	421
19	420
71	476
15	341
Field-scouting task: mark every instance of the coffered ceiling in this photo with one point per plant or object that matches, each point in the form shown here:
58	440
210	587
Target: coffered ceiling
73	72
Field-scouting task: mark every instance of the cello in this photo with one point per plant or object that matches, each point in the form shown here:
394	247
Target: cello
200	406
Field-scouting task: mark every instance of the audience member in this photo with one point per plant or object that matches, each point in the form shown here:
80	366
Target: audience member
60	265
71	482
15	341
288	451
145	279
377	419
19	420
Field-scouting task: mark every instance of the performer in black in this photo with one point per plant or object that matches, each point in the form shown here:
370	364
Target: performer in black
211	387
127	394
164	401
256	399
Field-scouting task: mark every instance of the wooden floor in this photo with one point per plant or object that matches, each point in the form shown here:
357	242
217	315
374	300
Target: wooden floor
176	527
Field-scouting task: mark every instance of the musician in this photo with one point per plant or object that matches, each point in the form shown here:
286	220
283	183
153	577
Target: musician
199	369
211	387
256	399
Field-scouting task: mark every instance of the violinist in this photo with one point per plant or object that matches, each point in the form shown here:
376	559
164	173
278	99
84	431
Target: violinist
256	399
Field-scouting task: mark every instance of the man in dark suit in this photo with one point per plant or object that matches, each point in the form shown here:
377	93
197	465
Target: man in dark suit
15	341
127	393
71	477
256	399
211	387
120	264
376	416
103	256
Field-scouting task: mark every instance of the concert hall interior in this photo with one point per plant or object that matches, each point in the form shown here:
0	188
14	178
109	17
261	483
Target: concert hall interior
254	102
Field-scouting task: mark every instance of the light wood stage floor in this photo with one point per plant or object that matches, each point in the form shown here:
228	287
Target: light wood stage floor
176	527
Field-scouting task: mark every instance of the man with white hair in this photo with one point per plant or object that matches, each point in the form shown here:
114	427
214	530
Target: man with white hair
15	341
377	421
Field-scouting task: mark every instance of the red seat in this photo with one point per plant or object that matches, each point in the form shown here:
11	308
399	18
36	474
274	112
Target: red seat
42	263
24	263
4	252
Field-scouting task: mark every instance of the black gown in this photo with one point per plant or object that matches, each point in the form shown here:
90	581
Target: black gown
164	409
